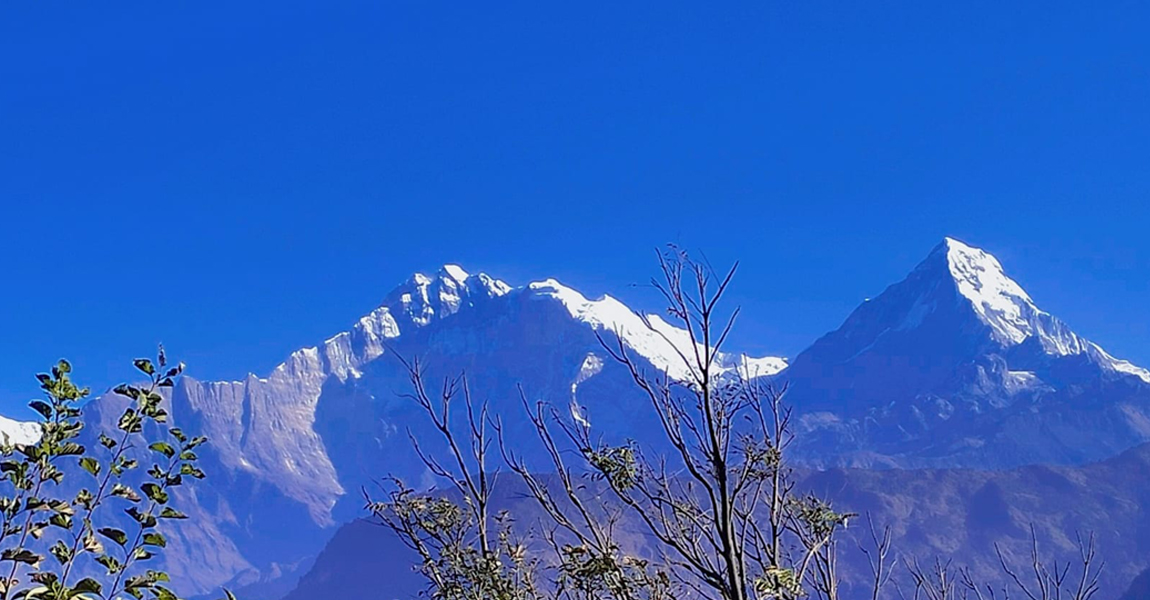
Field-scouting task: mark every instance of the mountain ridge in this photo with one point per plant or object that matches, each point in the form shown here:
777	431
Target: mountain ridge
954	366
940	362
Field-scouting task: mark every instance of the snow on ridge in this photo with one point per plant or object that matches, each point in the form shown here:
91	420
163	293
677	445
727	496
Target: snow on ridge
659	342
417	302
998	299
761	366
1119	365
18	432
1012	315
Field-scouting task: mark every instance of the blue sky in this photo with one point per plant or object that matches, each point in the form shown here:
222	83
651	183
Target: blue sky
239	182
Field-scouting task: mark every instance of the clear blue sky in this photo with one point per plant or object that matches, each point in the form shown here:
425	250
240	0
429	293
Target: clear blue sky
239	180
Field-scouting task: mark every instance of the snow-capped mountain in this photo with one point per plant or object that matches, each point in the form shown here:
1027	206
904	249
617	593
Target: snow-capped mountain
956	366
267	426
298	444
953	366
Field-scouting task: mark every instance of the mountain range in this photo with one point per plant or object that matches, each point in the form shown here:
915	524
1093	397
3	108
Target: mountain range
953	368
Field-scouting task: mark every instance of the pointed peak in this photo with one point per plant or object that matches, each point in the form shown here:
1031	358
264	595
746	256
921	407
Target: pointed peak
956	251
979	277
956	244
964	254
947	244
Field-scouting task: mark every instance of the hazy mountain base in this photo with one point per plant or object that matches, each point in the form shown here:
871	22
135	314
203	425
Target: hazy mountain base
957	514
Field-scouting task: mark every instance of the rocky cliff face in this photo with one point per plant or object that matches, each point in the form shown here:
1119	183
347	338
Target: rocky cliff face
263	427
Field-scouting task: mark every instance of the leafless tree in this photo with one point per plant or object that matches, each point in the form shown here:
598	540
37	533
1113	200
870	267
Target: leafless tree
877	551
462	557
591	561
939	580
720	504
1040	580
1072	580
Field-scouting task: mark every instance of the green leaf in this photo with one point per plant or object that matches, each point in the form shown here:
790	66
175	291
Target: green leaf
91	542
191	471
145	519
144	365
155	492
61	551
122	491
44	577
70	449
90	465
89	585
61	506
155	539
21	555
130	421
109	563
171	513
163	448
114	534
62	521
41	407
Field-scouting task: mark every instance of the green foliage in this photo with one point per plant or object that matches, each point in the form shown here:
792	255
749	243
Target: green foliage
586	573
778	583
814	517
454	560
55	546
616	464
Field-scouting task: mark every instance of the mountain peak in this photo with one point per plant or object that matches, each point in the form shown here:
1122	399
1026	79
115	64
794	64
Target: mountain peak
422	298
999	301
957	307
